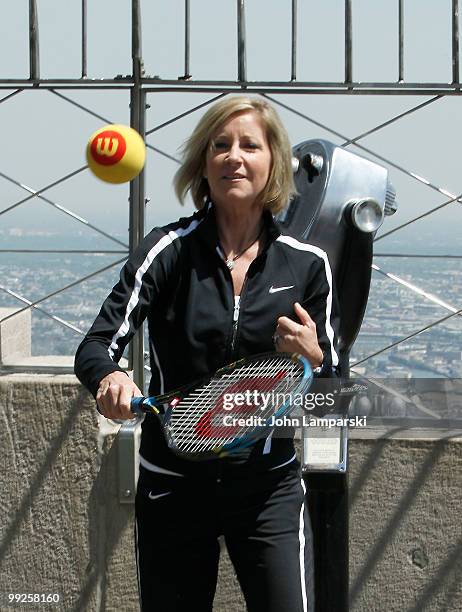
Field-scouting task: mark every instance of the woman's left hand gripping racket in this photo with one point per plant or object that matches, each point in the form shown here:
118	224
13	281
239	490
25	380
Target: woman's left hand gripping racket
232	408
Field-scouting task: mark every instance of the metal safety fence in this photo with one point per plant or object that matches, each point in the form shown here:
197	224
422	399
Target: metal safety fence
286	52
141	91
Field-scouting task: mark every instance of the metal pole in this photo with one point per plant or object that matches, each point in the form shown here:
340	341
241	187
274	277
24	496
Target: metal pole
293	76
137	186
241	51
328	506
348	43
401	41
84	39
34	60
455	41
187	43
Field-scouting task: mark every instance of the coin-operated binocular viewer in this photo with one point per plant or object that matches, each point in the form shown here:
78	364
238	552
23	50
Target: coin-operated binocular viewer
341	203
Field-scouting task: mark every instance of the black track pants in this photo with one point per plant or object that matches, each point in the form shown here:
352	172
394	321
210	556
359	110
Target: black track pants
266	528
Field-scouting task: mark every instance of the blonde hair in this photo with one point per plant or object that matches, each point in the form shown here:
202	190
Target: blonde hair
190	176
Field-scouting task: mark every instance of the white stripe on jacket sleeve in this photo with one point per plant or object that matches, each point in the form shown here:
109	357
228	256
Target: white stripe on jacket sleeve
163	243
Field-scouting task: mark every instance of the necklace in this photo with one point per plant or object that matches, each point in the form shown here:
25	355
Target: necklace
230	260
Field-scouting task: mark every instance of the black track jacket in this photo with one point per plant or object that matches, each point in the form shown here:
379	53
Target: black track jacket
178	281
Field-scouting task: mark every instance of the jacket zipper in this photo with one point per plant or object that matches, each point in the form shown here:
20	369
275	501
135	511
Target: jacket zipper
237	300
236	314
236	307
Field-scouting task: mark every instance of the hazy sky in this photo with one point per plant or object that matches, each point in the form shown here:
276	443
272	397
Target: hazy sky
44	137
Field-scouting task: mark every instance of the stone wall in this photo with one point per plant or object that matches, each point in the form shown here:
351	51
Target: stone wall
63	529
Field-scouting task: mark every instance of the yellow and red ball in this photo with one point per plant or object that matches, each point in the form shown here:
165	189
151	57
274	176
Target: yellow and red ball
116	153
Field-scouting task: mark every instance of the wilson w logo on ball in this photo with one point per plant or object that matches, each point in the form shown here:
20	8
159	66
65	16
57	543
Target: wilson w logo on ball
108	147
116	153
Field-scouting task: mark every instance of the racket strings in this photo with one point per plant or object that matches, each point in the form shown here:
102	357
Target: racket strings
240	376
238	382
200	401
223	434
189	417
240	430
274	375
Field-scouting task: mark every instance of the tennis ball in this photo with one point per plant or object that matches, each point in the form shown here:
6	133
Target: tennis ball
116	153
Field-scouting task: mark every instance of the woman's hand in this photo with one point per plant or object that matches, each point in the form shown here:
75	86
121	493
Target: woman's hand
292	337
114	395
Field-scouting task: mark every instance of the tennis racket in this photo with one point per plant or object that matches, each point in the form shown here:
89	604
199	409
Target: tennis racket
232	408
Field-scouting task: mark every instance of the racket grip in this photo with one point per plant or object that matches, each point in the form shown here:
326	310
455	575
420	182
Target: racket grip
141	405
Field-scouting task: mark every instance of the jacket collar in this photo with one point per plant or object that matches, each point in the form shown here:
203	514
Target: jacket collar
208	231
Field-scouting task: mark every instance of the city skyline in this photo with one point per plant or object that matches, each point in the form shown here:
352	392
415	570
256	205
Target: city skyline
46	132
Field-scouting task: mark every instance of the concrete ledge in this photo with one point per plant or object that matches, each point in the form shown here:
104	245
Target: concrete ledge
48	364
405	525
62	528
15	335
42	364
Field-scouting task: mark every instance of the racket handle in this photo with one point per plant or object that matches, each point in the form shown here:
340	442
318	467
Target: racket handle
141	405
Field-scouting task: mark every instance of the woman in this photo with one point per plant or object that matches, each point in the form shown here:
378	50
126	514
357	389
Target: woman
219	285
